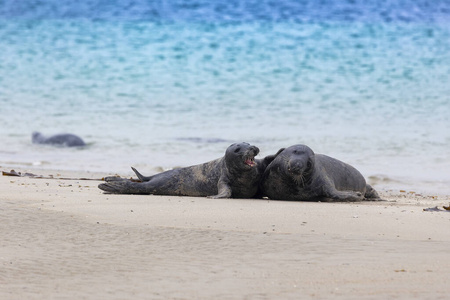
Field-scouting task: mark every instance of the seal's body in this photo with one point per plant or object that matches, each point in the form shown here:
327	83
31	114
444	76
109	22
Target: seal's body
236	175
63	139
299	174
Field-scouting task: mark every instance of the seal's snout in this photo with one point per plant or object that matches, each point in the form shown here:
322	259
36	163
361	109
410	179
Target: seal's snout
254	150
35	136
296	167
250	156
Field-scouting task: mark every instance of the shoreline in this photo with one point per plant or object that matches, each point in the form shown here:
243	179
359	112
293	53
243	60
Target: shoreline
392	184
65	238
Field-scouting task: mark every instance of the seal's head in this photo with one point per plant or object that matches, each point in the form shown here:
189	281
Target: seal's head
36	137
299	162
241	156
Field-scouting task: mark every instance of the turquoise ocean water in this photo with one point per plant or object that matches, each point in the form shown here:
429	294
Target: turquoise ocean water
172	83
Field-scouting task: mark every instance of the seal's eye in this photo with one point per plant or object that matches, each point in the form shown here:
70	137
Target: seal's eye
237	150
309	165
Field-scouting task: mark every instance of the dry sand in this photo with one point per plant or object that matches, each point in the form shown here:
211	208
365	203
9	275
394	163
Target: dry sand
65	239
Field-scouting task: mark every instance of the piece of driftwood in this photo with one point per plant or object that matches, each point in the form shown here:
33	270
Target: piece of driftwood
19	174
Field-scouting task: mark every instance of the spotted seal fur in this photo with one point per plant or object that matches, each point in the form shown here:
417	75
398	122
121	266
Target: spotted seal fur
235	175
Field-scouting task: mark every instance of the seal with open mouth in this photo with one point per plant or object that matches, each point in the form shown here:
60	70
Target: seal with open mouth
297	173
235	175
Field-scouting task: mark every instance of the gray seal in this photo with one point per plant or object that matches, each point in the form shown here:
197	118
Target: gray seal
235	175
63	139
299	174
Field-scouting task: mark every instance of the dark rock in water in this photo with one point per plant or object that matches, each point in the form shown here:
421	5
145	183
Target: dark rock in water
63	139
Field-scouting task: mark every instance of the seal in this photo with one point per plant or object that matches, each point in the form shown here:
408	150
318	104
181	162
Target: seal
235	175
63	139
299	174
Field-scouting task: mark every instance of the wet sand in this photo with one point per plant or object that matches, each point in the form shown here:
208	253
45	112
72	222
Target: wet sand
65	239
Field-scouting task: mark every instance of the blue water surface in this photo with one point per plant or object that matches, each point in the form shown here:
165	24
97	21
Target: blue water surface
172	83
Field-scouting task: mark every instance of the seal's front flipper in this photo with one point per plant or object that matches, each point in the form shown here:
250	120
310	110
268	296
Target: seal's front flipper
371	194
344	196
269	158
224	190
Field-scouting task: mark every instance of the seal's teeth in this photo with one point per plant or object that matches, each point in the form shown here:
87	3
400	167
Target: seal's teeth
250	162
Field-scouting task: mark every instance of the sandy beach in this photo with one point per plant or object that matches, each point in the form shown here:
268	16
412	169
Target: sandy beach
66	239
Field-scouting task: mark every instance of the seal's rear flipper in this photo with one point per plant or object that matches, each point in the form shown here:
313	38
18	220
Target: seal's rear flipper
124	187
113	178
108	188
140	176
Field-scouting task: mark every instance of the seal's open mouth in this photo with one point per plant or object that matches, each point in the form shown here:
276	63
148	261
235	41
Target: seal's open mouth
249	156
250	162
